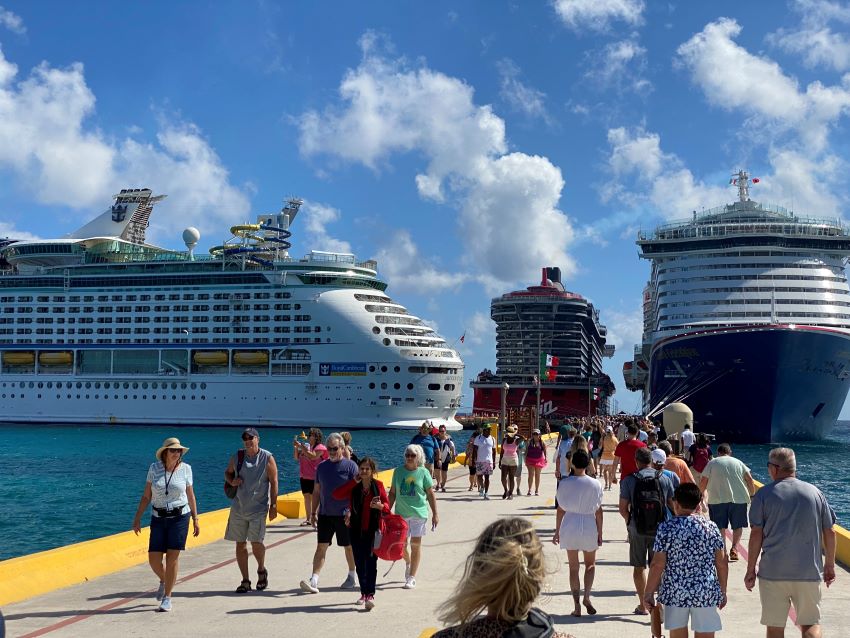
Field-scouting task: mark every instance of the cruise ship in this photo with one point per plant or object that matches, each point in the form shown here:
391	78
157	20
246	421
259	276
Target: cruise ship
546	319
747	321
101	327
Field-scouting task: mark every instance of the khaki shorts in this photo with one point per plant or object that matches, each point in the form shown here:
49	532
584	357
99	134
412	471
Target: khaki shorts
245	529
778	595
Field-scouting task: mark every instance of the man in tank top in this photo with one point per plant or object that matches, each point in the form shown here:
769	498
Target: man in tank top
256	498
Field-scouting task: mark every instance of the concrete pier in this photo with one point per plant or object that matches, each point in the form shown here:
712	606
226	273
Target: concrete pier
122	604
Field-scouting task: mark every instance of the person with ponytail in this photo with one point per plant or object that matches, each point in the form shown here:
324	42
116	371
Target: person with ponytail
502	578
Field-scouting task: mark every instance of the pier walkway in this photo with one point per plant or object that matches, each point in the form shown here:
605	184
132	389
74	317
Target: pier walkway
122	604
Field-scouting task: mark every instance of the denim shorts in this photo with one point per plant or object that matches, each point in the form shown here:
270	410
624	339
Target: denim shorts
703	619
168	533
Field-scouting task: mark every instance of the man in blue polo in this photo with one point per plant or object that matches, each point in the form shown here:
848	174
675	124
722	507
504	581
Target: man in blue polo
429	445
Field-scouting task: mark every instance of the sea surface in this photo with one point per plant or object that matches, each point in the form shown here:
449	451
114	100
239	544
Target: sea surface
67	484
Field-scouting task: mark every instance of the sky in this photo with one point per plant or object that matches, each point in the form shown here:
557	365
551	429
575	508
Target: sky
462	145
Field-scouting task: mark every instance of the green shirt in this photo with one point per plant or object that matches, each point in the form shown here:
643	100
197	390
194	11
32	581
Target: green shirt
410	491
726	483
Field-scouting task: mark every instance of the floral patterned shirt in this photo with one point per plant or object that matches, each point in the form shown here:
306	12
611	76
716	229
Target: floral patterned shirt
689	579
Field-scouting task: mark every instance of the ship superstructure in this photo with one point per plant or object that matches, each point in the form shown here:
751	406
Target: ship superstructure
547	319
747	321
101	327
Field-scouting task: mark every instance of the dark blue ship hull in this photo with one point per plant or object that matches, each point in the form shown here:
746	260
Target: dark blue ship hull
754	384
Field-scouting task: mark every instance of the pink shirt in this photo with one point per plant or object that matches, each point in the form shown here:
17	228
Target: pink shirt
308	466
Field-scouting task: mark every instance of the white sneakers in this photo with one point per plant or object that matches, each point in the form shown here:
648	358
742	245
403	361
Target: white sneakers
349	583
309	586
165	604
410	582
370	603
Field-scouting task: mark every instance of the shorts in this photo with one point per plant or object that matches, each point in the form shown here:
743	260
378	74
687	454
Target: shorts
307	485
703	619
606	461
472	469
416	526
328	526
777	596
444	466
168	533
640	549
725	515
483	468
242	529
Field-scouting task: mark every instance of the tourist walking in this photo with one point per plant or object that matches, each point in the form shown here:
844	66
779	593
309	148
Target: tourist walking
347	450
645	497
469	456
580	443
699	454
484	455
793	532
502	578
624	454
253	472
168	488
309	454
508	461
521	450
535	460
578	527
688	439
606	460
675	463
730	486
367	501
329	513
428	443
444	457
689	569
411	494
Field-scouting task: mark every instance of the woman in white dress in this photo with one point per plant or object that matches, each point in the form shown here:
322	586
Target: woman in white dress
578	526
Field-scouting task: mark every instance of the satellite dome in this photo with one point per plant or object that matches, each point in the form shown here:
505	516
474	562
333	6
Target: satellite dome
191	236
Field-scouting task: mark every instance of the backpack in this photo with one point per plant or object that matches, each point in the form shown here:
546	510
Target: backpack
391	538
537	625
700	458
648	507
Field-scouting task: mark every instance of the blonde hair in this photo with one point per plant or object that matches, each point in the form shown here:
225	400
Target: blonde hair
579	443
504	574
346	437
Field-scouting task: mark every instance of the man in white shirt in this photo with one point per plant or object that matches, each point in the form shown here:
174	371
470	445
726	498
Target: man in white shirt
484	450
688	440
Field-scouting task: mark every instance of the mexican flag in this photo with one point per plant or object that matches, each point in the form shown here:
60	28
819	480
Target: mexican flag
547	365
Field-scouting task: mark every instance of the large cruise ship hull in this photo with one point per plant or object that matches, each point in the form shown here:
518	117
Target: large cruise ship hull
755	384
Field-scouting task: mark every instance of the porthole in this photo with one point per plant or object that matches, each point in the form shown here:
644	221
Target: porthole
31	384
433	386
383	386
173	386
371	368
376	330
371	386
193	386
203	387
397	386
144	385
50	384
387	341
136	385
88	385
126	386
383	368
448	386
79	385
397	369
96	385
409	386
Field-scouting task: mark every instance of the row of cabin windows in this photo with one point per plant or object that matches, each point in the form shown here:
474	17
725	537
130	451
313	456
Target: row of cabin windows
147	340
146	297
175	308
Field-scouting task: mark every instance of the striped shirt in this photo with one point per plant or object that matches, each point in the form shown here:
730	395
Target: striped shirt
177	484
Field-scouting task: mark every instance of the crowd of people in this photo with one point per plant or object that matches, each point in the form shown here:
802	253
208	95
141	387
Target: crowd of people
676	497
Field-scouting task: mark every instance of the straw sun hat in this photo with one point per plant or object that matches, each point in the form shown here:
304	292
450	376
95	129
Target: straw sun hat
170	443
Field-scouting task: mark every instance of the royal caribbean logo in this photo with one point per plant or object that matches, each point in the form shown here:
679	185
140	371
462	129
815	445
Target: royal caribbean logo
342	369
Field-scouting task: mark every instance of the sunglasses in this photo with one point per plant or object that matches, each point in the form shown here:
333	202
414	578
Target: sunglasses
410	456
773	464
333	449
247	438
175	449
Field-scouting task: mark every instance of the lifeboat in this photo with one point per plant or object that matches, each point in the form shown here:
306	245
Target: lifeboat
18	358
55	358
215	358
251	358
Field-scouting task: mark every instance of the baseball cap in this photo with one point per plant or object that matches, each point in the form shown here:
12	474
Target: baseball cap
608	428
658	456
251	432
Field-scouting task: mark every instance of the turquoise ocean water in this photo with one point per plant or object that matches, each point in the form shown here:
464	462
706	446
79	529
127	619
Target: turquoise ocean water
68	484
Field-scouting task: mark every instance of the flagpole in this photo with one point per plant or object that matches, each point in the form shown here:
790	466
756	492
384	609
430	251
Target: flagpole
537	376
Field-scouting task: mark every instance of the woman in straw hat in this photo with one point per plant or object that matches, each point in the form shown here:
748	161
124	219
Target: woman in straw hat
169	488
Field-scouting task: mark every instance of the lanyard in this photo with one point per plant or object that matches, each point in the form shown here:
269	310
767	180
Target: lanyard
168	478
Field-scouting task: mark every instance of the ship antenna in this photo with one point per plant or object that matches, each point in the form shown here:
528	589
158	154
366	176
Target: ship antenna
742	181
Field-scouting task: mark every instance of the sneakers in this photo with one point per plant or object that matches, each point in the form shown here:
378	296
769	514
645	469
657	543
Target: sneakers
165	604
486	498
310	587
160	592
410	582
733	554
349	583
370	603
361	600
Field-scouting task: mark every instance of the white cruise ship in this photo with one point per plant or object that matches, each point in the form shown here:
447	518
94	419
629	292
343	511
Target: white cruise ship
102	328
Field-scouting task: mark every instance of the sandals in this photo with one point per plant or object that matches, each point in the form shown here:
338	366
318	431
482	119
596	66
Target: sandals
262	579
244	587
640	611
305	524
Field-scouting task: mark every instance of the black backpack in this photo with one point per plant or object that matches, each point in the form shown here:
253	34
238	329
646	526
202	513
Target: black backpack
538	624
648	503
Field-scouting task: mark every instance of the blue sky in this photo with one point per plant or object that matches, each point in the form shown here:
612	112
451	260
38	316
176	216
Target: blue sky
463	145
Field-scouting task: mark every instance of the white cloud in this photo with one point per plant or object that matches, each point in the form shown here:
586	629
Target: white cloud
504	200
814	40
46	140
315	218
620	64
732	78
520	97
598	15
12	21
625	329
401	263
480	328
8	230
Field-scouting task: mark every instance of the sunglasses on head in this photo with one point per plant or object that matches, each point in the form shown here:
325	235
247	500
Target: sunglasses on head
333	449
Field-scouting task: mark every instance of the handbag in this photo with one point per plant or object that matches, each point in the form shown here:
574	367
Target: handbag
230	490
